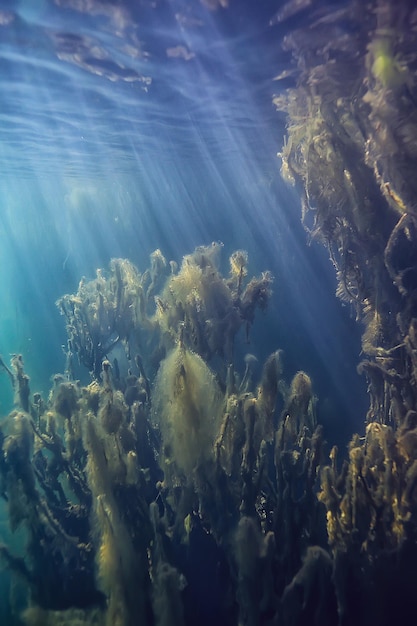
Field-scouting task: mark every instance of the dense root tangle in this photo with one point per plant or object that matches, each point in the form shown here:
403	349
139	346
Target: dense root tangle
351	144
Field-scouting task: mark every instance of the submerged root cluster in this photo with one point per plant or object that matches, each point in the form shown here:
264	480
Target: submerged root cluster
351	145
351	148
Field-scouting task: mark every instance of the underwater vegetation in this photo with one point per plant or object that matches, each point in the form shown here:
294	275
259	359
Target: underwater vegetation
351	149
178	486
351	113
112	482
173	489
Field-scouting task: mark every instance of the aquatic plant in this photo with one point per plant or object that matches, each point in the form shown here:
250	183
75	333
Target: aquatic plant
352	132
81	469
104	312
210	308
176	467
187	408
176	453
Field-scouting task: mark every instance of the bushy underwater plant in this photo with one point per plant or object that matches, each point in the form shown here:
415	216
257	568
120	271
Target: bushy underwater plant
171	470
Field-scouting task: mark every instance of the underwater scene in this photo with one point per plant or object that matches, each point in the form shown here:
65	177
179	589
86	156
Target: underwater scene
208	321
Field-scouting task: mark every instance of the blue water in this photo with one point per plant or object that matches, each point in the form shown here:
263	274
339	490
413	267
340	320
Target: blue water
126	128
